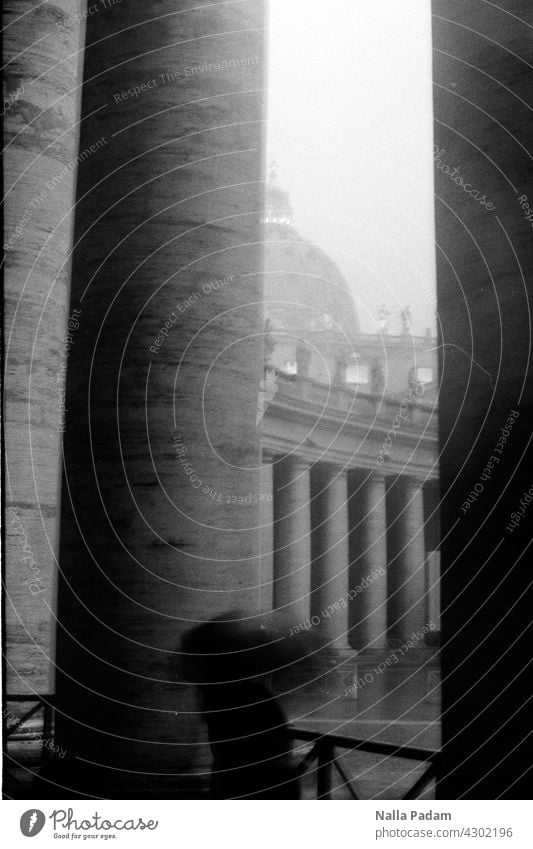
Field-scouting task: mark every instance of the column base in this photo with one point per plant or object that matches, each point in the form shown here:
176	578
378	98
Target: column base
384	675
329	674
374	675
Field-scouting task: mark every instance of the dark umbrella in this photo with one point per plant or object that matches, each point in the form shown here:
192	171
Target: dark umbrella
237	661
236	647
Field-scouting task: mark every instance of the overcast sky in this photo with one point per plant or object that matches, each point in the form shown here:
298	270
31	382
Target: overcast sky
350	125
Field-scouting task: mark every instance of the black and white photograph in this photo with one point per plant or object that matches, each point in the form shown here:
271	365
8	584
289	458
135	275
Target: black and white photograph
266	421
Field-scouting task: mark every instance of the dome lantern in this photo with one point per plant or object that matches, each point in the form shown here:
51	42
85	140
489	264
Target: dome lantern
278	205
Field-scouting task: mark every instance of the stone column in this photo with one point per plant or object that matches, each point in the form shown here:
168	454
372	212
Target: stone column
162	453
406	569
368	580
266	512
292	539
43	55
331	556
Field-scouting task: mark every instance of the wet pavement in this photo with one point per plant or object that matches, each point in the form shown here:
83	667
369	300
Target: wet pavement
402	716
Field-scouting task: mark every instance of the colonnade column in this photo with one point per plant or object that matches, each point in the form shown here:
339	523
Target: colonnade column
368	583
43	71
292	539
330	602
161	461
406	578
266	513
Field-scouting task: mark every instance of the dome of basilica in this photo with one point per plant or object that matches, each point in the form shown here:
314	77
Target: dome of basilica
308	304
313	329
303	288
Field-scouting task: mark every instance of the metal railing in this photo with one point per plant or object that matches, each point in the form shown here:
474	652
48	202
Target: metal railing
323	749
15	730
41	702
323	752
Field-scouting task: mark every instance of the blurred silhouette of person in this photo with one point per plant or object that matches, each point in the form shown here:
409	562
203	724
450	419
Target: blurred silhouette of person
406	318
228	659
383	319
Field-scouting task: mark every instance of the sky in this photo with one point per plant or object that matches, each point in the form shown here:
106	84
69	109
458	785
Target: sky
350	127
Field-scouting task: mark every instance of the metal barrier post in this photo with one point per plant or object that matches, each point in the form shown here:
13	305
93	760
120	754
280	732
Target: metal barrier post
324	770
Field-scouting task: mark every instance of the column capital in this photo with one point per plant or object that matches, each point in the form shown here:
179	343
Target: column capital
296	461
406	482
369	478
374	476
334	471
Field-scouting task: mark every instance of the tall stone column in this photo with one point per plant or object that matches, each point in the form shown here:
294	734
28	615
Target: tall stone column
330	568
368	580
292	539
161	471
406	569
43	56
482	129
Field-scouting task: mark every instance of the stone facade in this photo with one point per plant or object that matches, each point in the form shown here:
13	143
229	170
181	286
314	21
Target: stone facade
42	118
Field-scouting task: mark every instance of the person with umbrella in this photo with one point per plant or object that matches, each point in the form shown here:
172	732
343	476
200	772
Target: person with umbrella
228	659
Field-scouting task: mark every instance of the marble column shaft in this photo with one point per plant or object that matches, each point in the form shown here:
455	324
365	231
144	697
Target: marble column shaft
331	557
41	106
159	509
406	570
369	570
266	570
292	539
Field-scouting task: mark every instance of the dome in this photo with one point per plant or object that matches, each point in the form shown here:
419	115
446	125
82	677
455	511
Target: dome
312	330
304	290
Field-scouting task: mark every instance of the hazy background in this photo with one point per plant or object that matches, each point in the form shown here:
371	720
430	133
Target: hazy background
350	125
